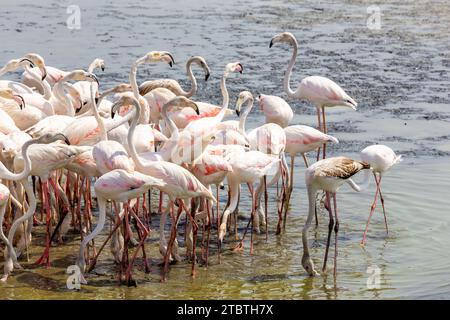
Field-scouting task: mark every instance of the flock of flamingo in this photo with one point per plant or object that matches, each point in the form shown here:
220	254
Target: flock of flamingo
59	134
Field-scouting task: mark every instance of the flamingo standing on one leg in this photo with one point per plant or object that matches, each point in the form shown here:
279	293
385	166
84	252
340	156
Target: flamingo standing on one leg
320	91
381	159
328	175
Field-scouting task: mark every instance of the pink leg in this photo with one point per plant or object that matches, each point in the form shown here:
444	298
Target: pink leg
372	209
45	258
319	127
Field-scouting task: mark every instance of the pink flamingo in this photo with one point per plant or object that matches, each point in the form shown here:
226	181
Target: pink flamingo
26	170
120	186
328	175
180	183
276	110
381	159
320	91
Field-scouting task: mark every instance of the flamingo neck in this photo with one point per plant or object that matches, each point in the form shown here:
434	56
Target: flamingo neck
133	81
173	129
225	96
287	75
193	89
45	85
8	175
312	191
363	185
94	106
62	97
130	137
243	117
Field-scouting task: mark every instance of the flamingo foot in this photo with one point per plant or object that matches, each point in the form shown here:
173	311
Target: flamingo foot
239	247
44	259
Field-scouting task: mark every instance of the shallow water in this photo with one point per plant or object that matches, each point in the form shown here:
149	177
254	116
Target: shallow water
398	75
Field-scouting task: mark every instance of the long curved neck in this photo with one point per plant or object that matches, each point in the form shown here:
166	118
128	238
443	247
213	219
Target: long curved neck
363	185
191	76
133	81
45	85
226	97
172	126
130	137
243	117
8	175
312	191
101	123
287	75
60	94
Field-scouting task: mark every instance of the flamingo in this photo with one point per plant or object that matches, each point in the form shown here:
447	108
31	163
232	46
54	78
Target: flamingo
381	159
328	175
247	167
45	159
151	109
180	183
173	85
276	110
302	139
32	59
120	186
320	91
26	170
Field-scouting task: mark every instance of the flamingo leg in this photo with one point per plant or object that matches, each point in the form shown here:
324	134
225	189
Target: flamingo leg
324	124
372	209
305	160
45	258
265	207
336	230
382	204
330	229
319	127
170	244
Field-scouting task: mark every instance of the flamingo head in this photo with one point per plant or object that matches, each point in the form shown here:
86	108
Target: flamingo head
52	137
308	264
283	37
9	94
202	63
38	61
233	67
98	64
181	102
157	56
14	64
244	96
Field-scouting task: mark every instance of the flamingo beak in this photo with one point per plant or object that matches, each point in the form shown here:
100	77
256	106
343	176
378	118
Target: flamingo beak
271	43
207	76
44	73
20	101
238	112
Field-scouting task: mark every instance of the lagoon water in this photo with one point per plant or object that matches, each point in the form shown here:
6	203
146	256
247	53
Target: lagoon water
399	75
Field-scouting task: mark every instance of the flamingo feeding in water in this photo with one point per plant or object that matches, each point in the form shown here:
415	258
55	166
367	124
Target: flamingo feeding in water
381	159
320	91
328	175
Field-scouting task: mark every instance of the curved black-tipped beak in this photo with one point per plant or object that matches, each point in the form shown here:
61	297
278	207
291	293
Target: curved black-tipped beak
96	100
271	44
44	75
103	68
94	77
242	68
78	110
22	101
28	60
197	110
238	112
172	60
112	114
207	77
64	138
